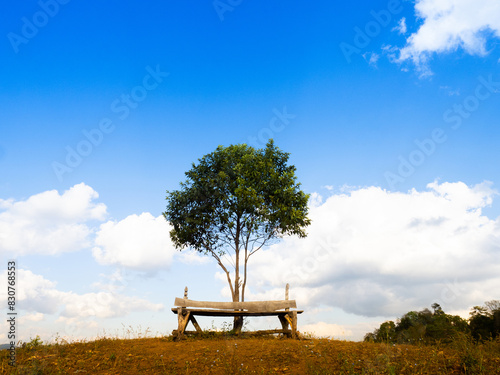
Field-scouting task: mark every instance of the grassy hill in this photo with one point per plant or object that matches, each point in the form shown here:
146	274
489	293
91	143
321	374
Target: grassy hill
225	354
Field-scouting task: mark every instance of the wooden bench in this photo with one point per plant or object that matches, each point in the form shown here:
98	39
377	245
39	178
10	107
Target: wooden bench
187	309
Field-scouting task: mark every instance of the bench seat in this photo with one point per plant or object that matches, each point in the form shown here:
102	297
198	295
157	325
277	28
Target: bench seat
214	312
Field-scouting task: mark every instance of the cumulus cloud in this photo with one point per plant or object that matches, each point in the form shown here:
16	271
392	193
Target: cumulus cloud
34	317
103	305
448	25
49	223
315	200
38	296
140	242
401	27
374	253
192	257
46	310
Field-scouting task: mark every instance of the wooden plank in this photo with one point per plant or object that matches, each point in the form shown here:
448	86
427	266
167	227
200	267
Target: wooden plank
248	306
208	312
250	333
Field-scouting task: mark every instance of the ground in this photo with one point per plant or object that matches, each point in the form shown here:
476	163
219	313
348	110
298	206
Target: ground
226	354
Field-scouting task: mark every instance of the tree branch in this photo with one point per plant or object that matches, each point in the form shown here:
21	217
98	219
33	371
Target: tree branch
224	268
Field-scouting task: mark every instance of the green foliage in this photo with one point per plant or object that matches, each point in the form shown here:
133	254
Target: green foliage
387	331
420	327
431	327
237	197
236	200
484	321
33	344
470	353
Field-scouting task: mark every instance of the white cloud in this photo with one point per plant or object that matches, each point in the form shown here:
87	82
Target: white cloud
49	223
37	296
140	242
322	329
35	293
192	257
315	200
103	305
371	58
34	317
76	329
401	27
448	25
377	253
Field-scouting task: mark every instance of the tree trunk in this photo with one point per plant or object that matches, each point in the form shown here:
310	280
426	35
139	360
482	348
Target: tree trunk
238	320
237	324
244	276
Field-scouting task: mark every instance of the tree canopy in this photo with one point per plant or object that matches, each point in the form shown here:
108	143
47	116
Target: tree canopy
416	327
428	327
484	320
234	201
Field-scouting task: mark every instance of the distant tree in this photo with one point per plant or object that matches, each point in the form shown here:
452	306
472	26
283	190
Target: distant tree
370	336
496	323
493	305
385	333
437	309
420	327
444	327
414	318
235	201
411	327
484	321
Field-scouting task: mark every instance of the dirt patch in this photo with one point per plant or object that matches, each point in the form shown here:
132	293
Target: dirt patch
246	356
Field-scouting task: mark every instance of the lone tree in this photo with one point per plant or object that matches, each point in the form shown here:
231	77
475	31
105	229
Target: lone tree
236	200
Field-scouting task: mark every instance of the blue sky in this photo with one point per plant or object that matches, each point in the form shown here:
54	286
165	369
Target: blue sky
389	110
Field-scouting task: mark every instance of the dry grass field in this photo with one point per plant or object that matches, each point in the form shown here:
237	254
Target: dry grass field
225	354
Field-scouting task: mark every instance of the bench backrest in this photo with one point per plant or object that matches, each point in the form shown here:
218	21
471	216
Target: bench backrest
261	306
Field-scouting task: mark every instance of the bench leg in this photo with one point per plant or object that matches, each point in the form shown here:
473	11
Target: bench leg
182	319
284	324
291	319
293	323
